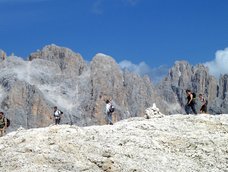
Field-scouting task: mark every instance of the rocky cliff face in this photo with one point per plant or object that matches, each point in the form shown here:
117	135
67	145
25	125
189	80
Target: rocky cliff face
56	76
220	103
184	76
168	143
71	64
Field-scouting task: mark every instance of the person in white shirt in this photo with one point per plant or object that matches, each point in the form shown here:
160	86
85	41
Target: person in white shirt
108	112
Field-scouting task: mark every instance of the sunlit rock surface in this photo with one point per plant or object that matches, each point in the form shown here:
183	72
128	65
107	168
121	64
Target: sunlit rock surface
170	143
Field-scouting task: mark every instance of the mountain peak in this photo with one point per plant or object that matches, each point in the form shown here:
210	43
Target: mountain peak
64	57
50	52
103	58
102	55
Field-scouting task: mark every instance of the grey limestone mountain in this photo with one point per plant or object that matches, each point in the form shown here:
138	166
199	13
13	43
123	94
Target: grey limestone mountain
57	76
220	103
184	76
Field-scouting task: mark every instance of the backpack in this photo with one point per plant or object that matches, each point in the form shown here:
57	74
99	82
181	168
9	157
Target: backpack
8	121
194	95
59	113
111	109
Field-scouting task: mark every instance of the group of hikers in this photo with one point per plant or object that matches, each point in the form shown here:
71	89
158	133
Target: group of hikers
108	111
191	102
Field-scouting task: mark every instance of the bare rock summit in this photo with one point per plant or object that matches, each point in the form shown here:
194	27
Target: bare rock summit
171	143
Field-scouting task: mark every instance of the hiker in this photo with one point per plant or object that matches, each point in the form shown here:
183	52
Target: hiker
57	115
109	111
3	124
190	102
204	102
4	56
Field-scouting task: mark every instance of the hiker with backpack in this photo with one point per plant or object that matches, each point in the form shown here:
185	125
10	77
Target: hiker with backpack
3	124
190	102
57	115
204	102
109	110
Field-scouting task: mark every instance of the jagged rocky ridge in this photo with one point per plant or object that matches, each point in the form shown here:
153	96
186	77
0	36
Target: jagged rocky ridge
162	143
58	76
184	76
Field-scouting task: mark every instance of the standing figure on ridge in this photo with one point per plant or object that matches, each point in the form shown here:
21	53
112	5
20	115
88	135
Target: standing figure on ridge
203	101
190	102
109	111
57	115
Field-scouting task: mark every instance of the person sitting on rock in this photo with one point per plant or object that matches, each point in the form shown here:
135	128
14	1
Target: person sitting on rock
109	111
190	102
3	124
203	108
57	115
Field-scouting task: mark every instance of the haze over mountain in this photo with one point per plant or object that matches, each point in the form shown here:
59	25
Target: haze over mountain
57	76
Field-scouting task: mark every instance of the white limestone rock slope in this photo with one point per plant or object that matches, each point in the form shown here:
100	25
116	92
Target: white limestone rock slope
170	143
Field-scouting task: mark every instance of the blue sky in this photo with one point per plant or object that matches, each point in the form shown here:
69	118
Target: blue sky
155	32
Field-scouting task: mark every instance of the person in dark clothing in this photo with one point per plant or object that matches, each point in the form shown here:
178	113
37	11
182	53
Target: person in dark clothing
57	115
190	103
203	108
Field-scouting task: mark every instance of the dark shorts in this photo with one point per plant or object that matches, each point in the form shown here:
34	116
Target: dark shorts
204	109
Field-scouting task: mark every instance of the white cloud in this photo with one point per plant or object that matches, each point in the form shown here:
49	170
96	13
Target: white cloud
156	74
140	69
219	65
